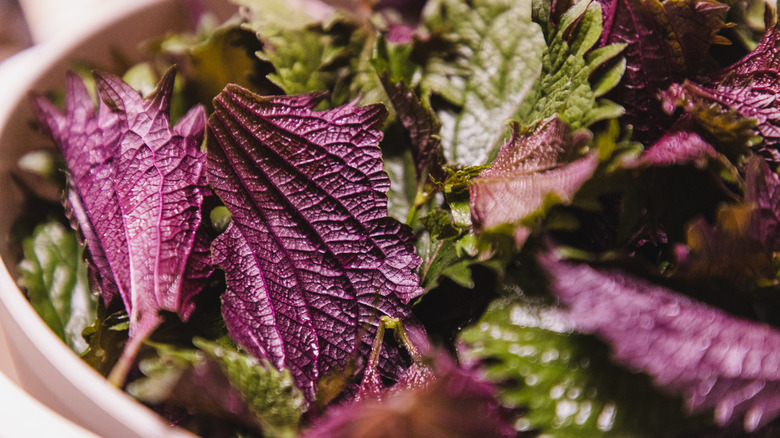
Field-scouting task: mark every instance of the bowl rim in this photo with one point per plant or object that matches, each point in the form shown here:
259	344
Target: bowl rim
23	415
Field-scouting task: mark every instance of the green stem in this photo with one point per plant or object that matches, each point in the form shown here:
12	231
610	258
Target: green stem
376	347
420	198
401	336
415	207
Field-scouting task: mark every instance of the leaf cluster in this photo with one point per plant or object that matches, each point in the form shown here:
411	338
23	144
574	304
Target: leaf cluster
578	180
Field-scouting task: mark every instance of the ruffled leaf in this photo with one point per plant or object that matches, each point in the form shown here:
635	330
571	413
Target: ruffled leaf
713	359
563	383
158	173
302	60
500	55
215	56
665	43
574	74
136	195
217	380
456	404
725	253
679	146
762	191
737	250
315	47
417	118
311	258
749	87
90	140
531	169
54	277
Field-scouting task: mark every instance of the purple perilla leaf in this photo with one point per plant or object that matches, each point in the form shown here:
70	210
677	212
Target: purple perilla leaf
762	191
417	118
311	258
713	359
725	253
158	176
453	402
679	146
738	250
533	167
136	192
667	42
89	139
656	211
749	87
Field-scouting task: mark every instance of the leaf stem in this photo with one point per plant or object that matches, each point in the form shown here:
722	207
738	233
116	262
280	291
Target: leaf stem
376	347
431	258
121	369
401	336
119	372
421	198
415	207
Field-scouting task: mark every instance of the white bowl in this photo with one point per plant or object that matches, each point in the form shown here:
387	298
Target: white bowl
44	366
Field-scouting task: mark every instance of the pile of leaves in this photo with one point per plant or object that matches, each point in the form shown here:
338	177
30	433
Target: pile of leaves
485	218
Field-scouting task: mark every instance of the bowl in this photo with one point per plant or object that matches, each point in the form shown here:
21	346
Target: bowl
44	366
